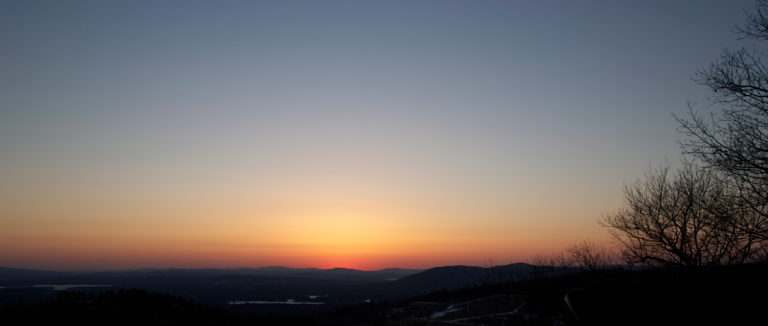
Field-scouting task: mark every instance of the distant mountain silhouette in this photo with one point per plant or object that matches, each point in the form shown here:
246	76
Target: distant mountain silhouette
337	285
448	277
453	277
14	276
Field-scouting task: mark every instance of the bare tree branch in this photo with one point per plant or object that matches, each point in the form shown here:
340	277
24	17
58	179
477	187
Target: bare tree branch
689	217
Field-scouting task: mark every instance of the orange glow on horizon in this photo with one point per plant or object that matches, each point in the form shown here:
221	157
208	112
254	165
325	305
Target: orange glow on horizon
104	252
294	228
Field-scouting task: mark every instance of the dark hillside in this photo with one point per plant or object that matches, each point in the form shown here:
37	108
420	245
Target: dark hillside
732	295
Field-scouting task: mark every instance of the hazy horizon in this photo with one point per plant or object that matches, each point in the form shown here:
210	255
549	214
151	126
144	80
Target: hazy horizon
244	267
348	134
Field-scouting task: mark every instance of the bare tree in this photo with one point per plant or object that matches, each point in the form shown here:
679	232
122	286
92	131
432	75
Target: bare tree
539	266
736	141
545	266
687	218
592	256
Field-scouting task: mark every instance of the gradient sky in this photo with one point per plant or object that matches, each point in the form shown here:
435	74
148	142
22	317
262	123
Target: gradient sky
362	134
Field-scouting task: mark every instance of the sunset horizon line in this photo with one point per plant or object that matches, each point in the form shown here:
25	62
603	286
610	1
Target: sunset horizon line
248	267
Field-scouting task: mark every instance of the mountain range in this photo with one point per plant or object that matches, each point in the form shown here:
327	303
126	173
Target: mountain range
331	287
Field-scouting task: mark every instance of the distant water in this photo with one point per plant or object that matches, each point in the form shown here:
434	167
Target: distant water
62	287
288	302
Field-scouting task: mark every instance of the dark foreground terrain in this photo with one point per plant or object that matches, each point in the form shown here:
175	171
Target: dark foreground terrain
714	296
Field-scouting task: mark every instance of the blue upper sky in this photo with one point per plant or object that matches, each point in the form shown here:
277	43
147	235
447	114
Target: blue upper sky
505	106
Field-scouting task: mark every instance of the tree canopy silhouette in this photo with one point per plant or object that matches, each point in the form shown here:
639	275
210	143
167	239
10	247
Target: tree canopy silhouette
686	218
735	142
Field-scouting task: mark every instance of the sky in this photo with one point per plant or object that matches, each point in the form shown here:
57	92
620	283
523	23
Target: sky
359	134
